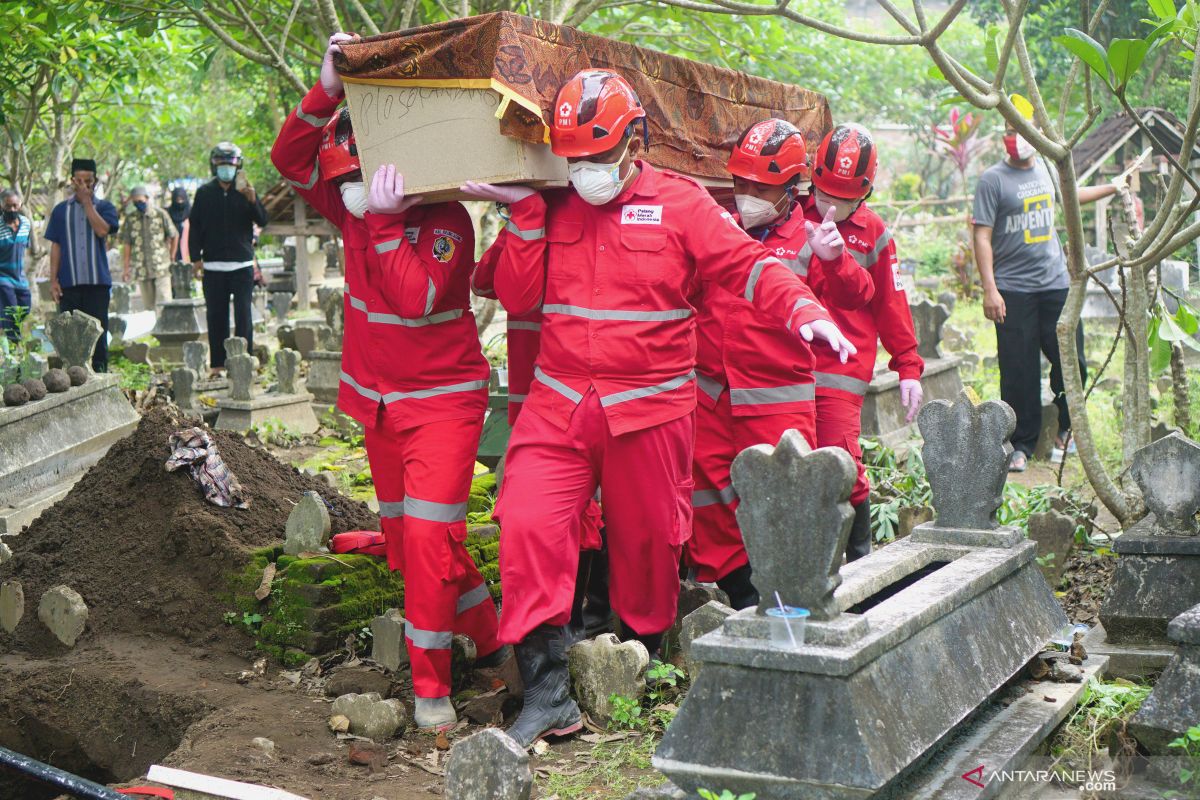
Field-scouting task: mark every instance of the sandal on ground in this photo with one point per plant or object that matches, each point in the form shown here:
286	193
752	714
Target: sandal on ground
1018	461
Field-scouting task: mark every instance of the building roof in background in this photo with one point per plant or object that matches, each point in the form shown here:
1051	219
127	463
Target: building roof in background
1103	143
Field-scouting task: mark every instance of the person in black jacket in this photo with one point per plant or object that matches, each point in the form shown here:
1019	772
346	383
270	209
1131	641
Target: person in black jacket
221	244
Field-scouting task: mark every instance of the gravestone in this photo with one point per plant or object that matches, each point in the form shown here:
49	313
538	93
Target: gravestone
287	371
966	454
183	388
1054	534
195	357
1174	705
801	571
603	667
883	415
182	318
488	765
120	303
12	605
331	300
325	362
895	660
291	405
74	335
1158	566
138	353
388	648
181	280
306	339
242	370
307	526
281	303
116	329
64	613
928	319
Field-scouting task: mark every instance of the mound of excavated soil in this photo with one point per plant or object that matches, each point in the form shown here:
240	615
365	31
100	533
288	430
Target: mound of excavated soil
145	550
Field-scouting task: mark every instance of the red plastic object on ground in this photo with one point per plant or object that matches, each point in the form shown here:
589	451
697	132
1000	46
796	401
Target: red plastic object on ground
365	542
148	791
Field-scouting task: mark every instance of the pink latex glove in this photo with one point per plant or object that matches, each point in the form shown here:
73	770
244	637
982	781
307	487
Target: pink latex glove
331	82
911	396
498	194
826	331
825	239
387	192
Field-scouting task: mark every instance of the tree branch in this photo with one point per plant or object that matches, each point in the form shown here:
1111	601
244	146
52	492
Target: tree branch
366	17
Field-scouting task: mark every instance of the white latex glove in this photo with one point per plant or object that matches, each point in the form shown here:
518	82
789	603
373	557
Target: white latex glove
331	82
828	332
826	240
498	194
911	397
387	192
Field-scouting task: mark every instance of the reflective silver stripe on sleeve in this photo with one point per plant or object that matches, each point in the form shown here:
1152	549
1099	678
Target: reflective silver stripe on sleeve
517	398
710	386
396	319
421	394
370	394
798	265
557	385
772	394
868	260
831	380
428	640
648	391
312	179
624	316
388	246
430	511
531	235
413	322
518	325
316	122
391	509
752	281
430	295
472	598
713	497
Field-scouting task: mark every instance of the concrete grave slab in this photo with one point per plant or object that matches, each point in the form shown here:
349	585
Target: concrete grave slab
1174	705
388	648
488	765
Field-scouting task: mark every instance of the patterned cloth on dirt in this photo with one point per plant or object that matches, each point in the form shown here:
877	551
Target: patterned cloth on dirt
195	449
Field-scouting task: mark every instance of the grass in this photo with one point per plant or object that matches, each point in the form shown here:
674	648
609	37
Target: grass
1097	721
610	769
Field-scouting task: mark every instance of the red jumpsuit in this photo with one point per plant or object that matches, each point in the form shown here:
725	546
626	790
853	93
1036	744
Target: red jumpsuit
613	397
524	337
842	387
414	376
754	384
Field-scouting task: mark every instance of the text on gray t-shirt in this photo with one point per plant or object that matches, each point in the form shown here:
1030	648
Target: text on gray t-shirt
1018	205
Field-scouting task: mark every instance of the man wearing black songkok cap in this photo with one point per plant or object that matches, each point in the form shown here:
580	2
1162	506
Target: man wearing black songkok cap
78	229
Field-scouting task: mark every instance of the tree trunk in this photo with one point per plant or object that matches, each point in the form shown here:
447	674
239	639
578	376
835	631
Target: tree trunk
1179	388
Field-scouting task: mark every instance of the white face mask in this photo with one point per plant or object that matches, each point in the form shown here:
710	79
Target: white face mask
1025	150
842	208
354	195
756	212
596	181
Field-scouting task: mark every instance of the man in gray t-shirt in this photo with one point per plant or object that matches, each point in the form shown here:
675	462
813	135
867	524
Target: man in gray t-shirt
1024	276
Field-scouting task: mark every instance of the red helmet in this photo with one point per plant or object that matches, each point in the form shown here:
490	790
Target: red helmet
591	113
338	154
771	151
845	164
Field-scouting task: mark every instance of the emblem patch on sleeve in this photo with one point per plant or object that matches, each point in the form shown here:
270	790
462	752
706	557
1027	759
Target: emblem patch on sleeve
444	232
443	249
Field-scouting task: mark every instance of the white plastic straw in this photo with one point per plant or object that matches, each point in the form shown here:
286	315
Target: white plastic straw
786	620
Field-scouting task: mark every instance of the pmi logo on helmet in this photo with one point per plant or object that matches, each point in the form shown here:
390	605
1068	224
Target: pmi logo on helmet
564	112
758	136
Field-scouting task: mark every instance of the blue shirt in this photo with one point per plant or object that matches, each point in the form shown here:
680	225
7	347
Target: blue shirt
84	257
12	252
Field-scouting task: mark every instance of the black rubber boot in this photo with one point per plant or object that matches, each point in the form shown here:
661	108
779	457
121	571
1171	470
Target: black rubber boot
549	709
859	544
597	610
741	591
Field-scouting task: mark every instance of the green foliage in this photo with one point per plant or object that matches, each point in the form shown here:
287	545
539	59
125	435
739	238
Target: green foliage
1102	712
1189	775
134	376
709	794
905	187
896	483
276	432
1166	329
627	714
664	681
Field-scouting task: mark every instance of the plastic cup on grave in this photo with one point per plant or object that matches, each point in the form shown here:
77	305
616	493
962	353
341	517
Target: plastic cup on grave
787	626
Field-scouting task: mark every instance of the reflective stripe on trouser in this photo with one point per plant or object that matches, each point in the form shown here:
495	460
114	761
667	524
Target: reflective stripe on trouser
422	478
716	547
550	478
839	421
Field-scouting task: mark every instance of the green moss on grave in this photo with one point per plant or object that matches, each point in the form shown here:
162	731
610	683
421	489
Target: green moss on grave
315	603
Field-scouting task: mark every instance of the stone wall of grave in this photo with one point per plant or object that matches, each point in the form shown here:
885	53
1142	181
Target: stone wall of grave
316	602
